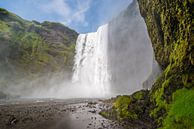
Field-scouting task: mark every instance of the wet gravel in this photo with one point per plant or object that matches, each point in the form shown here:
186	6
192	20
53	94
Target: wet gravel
55	114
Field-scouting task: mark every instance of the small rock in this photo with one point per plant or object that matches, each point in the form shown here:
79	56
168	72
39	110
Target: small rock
94	111
12	121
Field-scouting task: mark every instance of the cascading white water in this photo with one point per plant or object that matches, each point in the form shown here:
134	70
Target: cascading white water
122	46
91	63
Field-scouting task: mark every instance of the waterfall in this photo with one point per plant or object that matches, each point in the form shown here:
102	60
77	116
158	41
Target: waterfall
90	65
130	51
122	49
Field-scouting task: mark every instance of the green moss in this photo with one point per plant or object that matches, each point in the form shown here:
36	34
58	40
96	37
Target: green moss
4	27
139	95
181	113
192	1
159	99
121	106
105	114
170	27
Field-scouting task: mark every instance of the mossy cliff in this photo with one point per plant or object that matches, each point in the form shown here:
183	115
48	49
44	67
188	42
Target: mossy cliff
131	110
29	49
170	26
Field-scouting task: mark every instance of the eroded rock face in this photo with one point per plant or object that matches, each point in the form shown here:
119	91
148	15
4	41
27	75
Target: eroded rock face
170	26
169	23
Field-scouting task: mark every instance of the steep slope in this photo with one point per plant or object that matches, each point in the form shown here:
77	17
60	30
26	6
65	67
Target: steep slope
169	104
31	49
170	25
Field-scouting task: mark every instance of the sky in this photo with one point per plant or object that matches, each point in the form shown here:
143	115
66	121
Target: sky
81	15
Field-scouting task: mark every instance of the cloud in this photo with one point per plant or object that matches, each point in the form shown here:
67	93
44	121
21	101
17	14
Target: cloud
67	13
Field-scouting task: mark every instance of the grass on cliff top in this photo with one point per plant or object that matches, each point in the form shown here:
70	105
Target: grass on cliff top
181	113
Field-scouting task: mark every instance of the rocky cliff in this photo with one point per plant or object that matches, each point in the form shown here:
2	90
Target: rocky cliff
169	104
32	49
170	26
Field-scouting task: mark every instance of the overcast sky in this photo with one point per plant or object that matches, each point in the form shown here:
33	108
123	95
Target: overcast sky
81	15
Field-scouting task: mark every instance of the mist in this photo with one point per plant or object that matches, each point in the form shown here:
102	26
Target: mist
130	52
117	59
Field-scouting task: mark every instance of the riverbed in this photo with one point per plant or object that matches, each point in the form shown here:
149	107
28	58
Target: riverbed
54	114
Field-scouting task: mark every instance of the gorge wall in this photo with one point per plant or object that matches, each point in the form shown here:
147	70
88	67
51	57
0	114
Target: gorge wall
170	26
31	53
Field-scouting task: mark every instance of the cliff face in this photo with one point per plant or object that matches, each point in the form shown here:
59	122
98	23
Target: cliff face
169	104
169	25
32	49
171	29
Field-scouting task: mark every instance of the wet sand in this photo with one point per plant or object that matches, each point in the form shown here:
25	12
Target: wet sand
54	114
